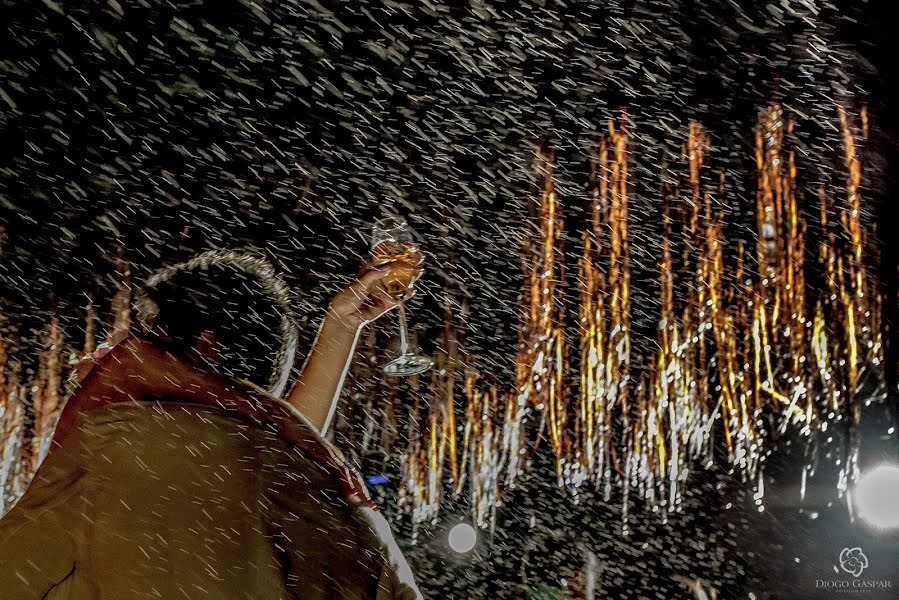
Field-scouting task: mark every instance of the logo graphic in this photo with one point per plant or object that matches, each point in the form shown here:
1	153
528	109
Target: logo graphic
853	561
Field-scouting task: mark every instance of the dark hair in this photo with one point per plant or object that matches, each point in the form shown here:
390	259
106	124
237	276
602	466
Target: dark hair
235	296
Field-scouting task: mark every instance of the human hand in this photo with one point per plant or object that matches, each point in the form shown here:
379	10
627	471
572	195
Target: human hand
362	301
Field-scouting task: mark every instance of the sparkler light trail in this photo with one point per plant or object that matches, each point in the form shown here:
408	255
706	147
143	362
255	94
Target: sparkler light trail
604	315
542	357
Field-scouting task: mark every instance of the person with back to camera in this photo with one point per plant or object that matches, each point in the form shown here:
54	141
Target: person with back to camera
173	474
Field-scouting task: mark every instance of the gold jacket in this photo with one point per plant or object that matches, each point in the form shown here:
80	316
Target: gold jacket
164	498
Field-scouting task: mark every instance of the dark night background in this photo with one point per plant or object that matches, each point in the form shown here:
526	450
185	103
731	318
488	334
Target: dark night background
164	128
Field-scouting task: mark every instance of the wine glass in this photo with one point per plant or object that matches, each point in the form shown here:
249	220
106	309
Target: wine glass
393	246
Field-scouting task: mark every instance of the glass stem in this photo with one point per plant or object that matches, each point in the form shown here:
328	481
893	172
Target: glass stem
404	331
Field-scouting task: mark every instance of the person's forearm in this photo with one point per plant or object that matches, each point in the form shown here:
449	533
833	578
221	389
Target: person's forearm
318	387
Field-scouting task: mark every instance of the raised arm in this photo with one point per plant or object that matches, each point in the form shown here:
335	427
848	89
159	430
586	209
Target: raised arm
318	387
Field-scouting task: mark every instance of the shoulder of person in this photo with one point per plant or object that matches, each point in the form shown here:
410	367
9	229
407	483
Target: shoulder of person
88	362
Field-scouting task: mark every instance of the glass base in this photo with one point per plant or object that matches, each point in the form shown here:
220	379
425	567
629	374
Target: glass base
408	364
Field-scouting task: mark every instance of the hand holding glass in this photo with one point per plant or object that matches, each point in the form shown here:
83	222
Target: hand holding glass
393	246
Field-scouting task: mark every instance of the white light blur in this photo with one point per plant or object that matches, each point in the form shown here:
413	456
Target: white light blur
462	538
877	496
